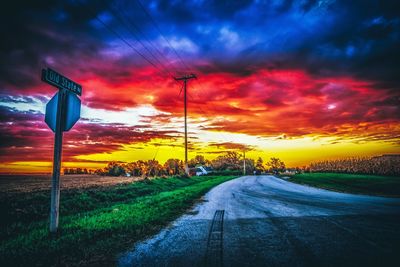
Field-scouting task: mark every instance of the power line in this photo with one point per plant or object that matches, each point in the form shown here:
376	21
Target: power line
142	55
131	22
120	18
163	36
94	13
169	44
127	43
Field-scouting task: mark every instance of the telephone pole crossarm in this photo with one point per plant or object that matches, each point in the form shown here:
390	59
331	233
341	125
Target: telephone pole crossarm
186	77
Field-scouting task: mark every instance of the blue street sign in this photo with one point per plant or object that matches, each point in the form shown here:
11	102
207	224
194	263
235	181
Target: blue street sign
56	79
72	111
51	112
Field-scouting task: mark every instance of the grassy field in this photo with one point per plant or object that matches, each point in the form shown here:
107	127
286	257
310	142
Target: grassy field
96	223
352	183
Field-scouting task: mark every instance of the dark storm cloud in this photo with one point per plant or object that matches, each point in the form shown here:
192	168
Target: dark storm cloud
34	30
325	38
192	11
364	43
360	40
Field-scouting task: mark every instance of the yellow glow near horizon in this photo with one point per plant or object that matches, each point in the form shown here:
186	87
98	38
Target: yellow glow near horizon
295	152
44	166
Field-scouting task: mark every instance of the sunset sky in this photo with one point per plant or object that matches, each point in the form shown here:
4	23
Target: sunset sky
301	80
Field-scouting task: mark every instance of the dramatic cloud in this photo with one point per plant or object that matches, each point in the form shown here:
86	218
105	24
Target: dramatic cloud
270	69
25	136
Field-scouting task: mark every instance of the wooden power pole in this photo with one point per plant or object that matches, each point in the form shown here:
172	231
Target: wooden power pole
185	78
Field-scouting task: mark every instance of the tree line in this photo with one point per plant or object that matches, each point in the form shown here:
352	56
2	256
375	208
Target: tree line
230	162
68	171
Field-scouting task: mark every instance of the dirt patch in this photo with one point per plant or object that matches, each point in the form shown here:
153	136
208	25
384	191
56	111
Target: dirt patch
29	183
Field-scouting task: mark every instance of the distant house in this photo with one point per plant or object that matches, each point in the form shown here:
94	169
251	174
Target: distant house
290	172
202	170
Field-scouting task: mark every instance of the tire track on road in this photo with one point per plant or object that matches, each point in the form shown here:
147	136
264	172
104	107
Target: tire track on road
214	250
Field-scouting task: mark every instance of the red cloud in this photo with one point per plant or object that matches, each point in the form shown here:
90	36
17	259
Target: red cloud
264	103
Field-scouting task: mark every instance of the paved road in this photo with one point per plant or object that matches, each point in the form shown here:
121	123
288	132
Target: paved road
266	221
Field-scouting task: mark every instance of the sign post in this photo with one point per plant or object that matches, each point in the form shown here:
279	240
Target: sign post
55	181
62	112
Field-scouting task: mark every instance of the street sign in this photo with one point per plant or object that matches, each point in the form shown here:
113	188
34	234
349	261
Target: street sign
51	112
54	78
72	111
62	112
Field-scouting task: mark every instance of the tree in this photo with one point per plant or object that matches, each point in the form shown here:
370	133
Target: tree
174	167
154	168
100	172
114	169
230	161
260	165
142	167
276	165
134	168
198	160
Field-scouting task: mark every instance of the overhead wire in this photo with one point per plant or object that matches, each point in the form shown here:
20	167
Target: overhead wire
164	69
161	33
131	22
127	43
169	44
123	23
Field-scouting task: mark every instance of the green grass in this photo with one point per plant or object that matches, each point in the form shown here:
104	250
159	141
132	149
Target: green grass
95	224
352	183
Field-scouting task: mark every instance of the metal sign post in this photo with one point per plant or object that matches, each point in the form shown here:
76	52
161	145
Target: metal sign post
62	112
55	181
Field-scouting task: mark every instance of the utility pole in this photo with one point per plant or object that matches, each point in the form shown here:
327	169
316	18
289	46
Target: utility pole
244	162
185	78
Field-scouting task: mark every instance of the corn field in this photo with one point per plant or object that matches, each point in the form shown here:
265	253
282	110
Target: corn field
381	165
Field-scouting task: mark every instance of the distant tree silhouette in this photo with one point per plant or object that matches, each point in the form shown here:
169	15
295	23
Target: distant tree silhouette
229	161
198	160
174	167
114	169
260	165
276	165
